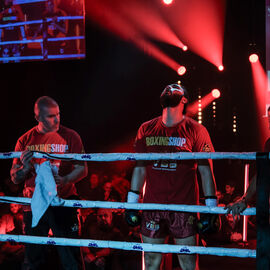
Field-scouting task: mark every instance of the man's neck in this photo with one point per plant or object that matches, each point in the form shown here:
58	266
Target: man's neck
43	130
172	116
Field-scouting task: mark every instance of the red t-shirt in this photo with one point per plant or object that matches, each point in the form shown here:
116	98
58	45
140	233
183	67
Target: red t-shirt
267	146
65	140
172	182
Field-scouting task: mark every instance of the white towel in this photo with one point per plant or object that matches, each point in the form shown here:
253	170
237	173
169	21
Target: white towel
45	192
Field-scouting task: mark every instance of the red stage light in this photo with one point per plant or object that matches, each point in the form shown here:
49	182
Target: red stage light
253	58
220	68
167	2
185	48
181	70
215	93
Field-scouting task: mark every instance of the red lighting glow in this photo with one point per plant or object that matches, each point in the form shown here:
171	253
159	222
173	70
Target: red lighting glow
117	18
181	70
201	25
262	98
253	58
167	2
220	68
192	108
215	93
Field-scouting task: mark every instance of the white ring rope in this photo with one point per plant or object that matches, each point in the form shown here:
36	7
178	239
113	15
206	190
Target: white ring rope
161	248
41	21
138	156
137	206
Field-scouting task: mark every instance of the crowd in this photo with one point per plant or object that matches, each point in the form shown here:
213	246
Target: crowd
109	224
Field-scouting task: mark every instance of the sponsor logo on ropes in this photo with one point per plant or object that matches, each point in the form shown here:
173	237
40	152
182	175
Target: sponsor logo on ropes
137	247
77	204
51	242
184	250
11	240
86	157
93	244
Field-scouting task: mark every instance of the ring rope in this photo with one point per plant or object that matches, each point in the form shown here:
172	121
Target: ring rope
137	206
161	248
40	57
137	156
41	21
40	40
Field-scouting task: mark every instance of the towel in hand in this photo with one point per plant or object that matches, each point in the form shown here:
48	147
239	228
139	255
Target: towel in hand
45	192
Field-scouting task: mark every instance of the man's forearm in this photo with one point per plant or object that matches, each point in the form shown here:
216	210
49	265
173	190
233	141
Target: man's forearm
208	181
19	175
77	174
138	178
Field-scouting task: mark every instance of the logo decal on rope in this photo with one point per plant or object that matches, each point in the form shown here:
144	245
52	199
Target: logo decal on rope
92	244
184	250
137	247
77	204
86	157
51	242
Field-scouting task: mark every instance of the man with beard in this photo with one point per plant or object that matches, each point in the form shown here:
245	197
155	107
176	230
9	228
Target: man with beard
102	229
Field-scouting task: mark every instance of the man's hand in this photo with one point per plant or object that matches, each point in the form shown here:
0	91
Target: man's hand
237	207
100	262
89	257
25	159
60	180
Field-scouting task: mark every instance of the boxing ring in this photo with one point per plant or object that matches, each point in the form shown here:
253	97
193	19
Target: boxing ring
42	41
262	207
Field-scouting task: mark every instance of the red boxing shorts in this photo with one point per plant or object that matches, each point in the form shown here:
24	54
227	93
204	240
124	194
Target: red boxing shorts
159	224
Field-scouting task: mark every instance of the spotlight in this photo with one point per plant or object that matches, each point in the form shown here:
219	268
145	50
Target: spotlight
220	68
167	2
181	70
185	48
215	93
253	58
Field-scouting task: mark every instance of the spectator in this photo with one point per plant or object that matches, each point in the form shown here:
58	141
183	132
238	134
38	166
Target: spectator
95	192
110	194
12	254
230	194
219	197
121	185
12	222
102	229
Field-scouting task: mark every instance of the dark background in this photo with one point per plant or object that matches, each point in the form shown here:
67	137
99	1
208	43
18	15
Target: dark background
109	94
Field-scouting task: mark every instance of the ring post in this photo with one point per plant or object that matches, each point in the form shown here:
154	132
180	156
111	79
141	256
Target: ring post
262	211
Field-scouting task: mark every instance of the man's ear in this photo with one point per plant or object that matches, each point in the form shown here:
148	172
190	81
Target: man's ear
37	117
184	100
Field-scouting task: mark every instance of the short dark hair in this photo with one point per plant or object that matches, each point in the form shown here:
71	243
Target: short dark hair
44	101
